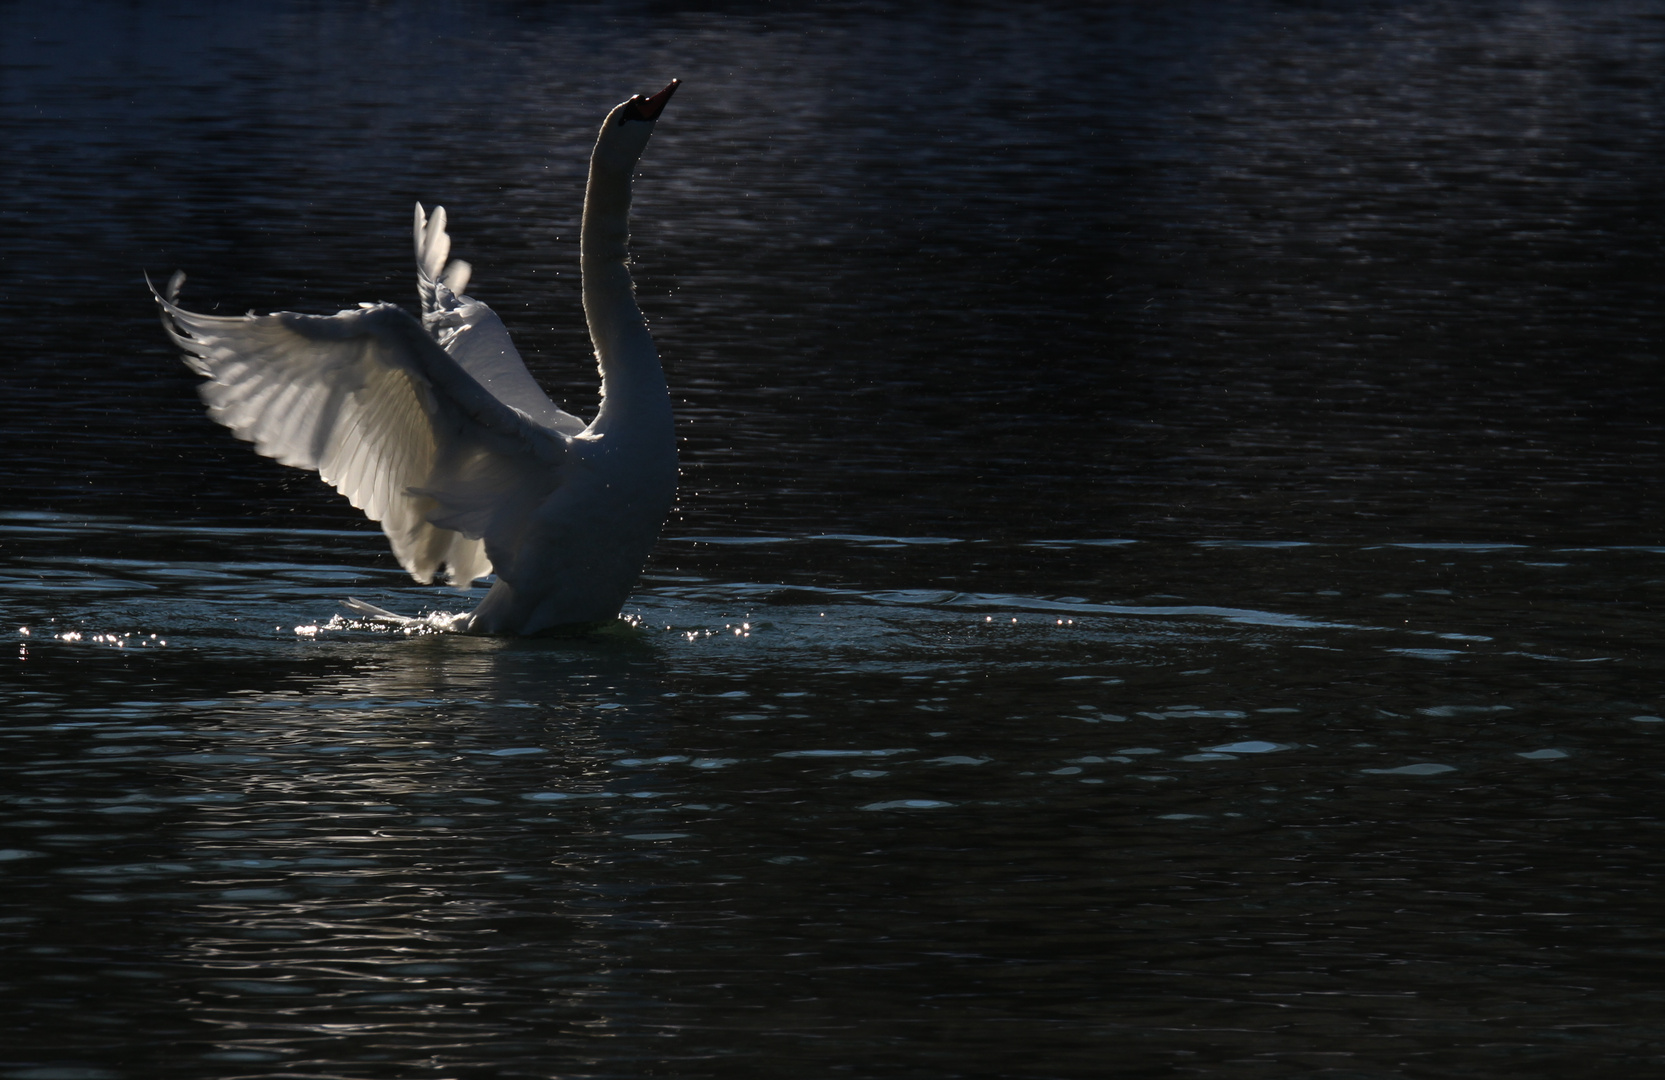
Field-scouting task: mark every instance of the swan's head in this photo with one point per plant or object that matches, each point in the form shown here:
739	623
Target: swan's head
624	134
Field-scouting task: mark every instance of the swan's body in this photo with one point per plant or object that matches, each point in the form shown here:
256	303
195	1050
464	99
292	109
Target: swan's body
437	430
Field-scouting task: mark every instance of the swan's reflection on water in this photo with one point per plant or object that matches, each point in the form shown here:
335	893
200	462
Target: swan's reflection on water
391	869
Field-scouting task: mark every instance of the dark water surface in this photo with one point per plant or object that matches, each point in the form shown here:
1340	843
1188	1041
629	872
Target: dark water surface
1166	580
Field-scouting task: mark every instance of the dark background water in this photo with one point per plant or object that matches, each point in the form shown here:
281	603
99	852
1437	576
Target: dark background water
1271	392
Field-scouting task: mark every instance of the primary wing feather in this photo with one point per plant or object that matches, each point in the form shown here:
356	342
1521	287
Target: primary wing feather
471	332
387	418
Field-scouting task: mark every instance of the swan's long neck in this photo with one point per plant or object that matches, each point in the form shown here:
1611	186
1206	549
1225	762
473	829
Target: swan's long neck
632	382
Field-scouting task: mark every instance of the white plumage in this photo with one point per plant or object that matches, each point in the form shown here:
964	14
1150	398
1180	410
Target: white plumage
435	428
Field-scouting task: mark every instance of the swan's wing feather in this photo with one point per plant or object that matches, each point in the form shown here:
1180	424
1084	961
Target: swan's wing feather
471	332
433	248
386	417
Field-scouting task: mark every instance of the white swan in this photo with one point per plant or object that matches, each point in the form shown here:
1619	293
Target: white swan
437	430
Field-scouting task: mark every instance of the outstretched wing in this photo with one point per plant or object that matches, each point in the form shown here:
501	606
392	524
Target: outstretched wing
471	332
386	417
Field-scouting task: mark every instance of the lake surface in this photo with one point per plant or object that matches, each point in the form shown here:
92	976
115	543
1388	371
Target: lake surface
1166	579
